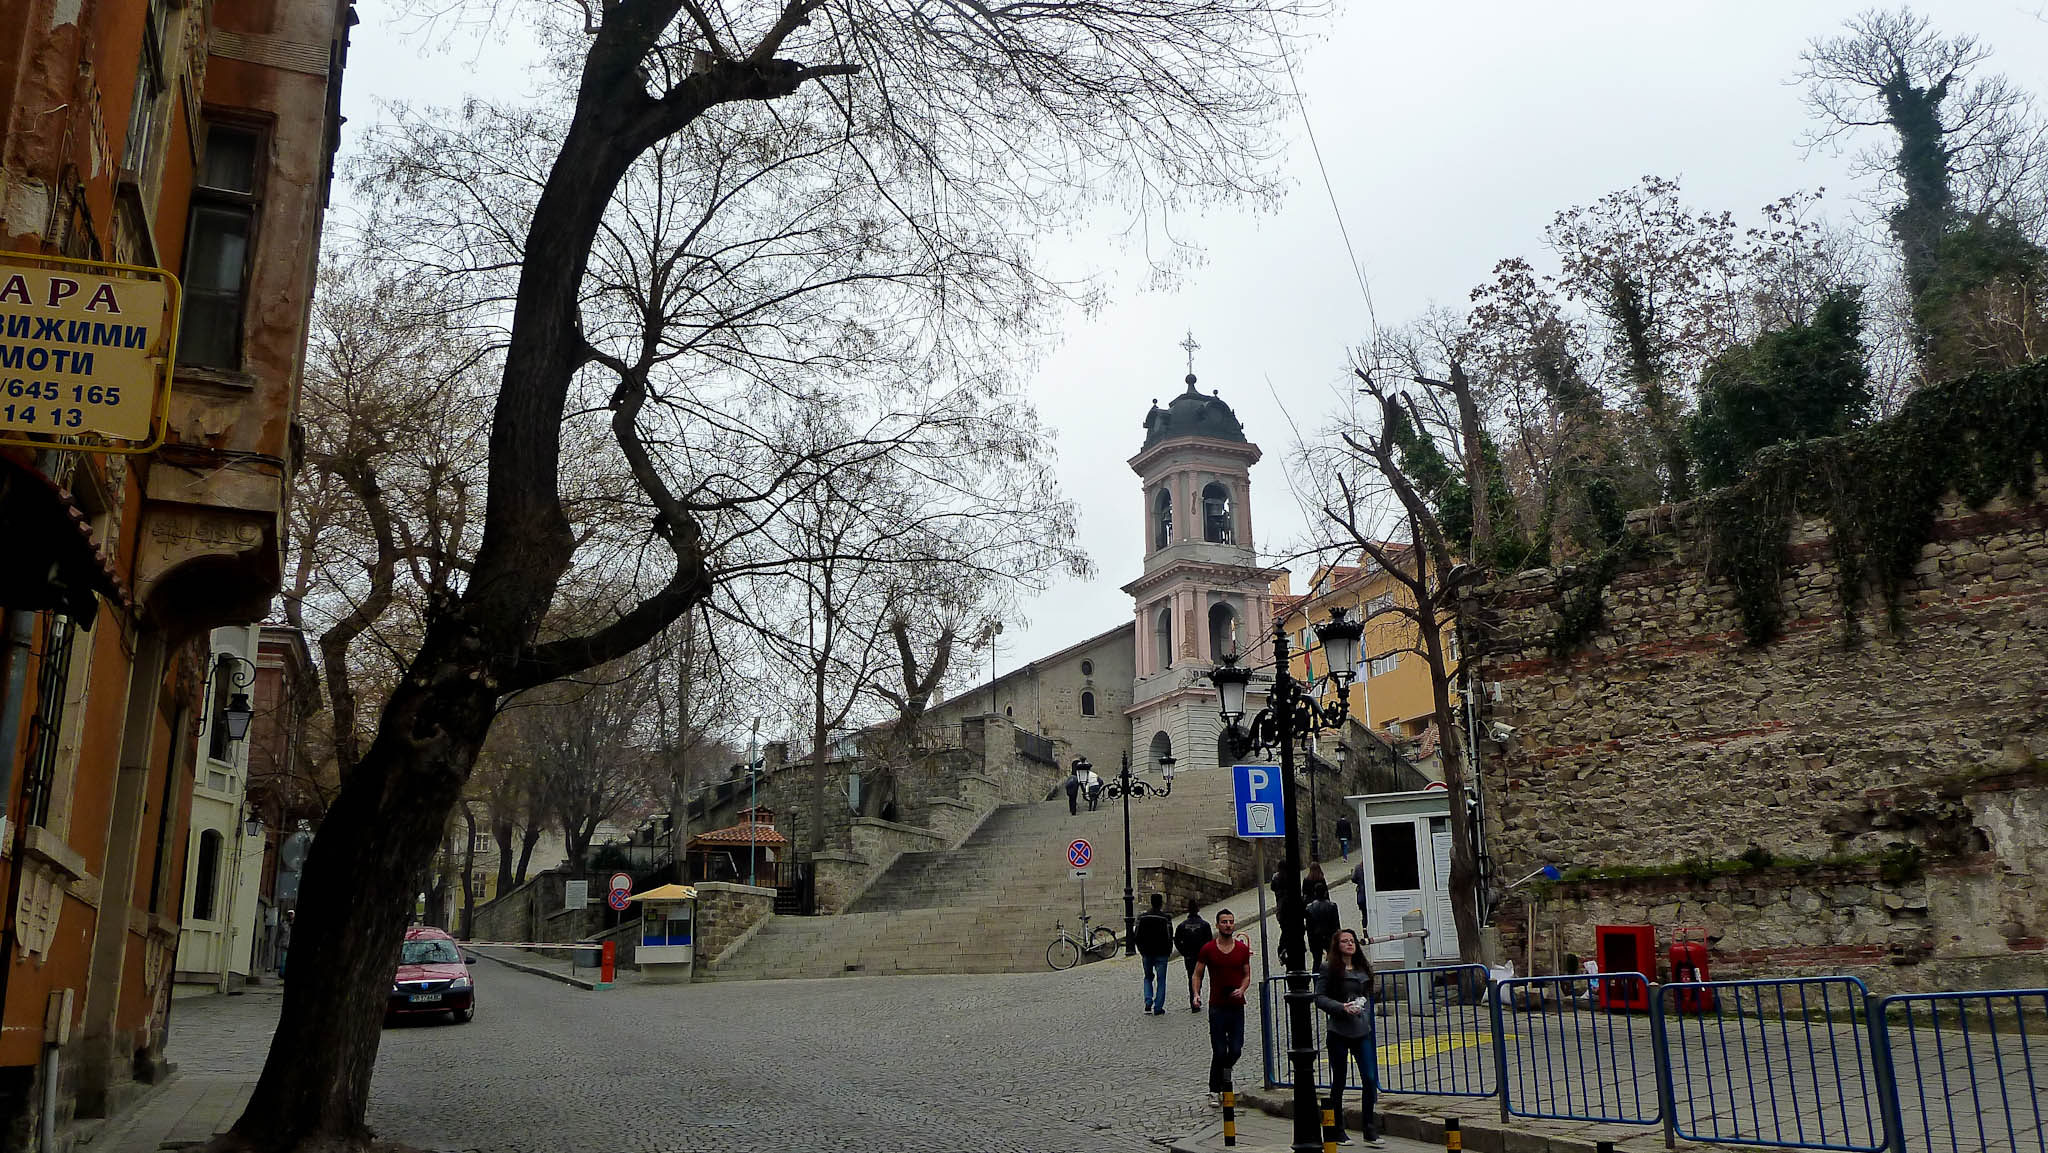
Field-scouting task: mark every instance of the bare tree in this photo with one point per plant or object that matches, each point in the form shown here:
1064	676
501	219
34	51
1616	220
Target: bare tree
975	127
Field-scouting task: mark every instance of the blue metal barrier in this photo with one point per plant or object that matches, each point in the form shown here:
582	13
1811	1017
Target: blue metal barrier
1785	1063
1431	1033
1560	1056
1970	1070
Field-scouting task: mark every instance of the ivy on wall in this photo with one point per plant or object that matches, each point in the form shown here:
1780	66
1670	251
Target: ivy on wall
1878	489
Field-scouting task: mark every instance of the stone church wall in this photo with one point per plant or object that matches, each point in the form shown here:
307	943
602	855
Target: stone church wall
1844	799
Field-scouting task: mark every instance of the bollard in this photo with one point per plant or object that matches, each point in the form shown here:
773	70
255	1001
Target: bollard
1230	1117
1329	1128
1454	1140
608	966
1414	955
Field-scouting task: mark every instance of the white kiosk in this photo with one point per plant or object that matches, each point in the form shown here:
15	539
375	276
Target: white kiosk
1404	842
667	924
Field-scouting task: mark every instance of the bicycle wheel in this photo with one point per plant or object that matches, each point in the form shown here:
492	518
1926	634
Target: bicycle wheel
1063	953
1101	941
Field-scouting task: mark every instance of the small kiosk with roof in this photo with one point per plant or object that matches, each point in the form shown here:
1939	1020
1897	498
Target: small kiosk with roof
667	923
749	853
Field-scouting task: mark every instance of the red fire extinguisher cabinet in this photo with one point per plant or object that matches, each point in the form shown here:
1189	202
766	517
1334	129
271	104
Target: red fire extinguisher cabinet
1689	964
1625	949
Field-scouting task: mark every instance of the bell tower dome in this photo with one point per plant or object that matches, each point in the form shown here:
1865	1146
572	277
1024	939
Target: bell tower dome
1203	593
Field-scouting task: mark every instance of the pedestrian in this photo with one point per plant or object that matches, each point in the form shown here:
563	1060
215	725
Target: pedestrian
1347	996
1189	939
1358	880
284	942
1094	789
1313	877
1321	916
1227	964
1073	792
1154	938
1344	836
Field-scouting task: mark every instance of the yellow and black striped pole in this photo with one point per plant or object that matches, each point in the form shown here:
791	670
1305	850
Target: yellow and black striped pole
1230	1117
1454	1138
1329	1128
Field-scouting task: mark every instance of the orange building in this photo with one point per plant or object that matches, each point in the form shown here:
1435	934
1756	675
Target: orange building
195	139
1397	698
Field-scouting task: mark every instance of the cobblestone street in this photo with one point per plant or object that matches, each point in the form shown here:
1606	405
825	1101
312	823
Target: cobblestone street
1040	1062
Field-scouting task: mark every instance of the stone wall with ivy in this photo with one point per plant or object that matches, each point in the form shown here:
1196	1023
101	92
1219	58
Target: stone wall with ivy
1843	768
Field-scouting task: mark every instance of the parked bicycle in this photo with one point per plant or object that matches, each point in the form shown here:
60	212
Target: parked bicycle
1066	950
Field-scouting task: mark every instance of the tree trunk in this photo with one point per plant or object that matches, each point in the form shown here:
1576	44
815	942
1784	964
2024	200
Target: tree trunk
468	869
354	901
1464	854
502	833
527	840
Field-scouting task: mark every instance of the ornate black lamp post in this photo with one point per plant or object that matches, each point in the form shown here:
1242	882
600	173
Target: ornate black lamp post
1290	716
1126	788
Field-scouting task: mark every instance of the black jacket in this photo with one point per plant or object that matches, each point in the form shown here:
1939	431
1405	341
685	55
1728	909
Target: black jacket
1192	935
1345	985
1154	934
1322	923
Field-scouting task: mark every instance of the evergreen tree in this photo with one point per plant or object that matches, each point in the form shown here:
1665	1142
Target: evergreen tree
1794	383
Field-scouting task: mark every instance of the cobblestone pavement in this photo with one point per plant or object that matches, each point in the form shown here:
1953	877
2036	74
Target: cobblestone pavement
1026	1062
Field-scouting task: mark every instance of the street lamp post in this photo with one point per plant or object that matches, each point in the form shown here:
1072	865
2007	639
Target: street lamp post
1290	716
1123	778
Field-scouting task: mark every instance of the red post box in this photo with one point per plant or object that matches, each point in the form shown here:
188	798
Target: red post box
1625	949
611	962
1689	963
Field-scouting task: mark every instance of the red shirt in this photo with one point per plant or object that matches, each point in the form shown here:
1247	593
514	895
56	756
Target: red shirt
1229	972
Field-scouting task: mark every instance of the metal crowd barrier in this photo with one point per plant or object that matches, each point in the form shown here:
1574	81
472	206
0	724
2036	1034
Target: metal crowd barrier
1797	1063
1577	1048
1786	1063
1970	1070
1430	1028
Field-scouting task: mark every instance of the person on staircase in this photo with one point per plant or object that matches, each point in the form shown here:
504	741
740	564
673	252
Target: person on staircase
1189	939
1227	963
1344	836
1073	792
1153	937
1321	917
1094	789
1347	996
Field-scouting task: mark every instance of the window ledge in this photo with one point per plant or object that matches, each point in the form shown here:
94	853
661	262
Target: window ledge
216	379
45	846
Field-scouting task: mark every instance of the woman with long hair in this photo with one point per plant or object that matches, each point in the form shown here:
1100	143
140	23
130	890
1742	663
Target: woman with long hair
1347	996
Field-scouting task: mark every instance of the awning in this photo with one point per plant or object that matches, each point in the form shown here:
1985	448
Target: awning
666	893
50	560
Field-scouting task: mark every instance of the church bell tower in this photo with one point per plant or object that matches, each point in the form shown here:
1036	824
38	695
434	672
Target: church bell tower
1203	593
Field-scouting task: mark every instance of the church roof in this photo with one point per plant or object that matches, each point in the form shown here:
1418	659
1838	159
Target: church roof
1192	414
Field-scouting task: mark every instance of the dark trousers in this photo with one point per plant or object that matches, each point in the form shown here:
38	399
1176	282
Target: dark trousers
1359	1050
1190	963
1073	801
1226	1043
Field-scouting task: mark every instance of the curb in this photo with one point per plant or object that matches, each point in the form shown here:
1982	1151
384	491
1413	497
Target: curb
1480	1136
538	971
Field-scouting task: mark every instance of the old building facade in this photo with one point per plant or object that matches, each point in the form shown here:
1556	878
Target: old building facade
140	141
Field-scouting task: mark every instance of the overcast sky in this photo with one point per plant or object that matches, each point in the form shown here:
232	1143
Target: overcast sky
1452	133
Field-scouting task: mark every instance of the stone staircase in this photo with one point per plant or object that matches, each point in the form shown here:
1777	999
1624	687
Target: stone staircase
989	905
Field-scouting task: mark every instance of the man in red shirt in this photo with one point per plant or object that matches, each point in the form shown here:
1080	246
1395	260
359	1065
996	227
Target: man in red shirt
1227	964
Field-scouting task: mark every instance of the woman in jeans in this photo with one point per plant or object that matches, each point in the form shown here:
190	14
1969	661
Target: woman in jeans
1347	997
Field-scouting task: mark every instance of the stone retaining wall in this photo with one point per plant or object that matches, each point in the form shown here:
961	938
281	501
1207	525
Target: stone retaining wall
1845	798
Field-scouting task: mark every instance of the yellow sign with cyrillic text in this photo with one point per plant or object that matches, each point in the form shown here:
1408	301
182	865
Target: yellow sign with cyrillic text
85	351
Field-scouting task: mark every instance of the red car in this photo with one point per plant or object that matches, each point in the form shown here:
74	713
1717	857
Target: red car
431	977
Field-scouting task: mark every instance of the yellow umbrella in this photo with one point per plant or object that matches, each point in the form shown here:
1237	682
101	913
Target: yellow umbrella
666	893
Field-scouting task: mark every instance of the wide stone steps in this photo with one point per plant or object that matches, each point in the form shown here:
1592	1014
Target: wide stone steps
989	906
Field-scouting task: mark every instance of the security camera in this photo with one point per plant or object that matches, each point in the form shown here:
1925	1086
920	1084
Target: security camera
1502	731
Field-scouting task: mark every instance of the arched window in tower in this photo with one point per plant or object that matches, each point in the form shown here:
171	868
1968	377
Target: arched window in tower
1162	637
1216	527
1222	631
1087	704
1162	746
1162	519
206	876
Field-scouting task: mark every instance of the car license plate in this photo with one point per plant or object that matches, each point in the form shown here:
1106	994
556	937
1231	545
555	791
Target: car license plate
419	998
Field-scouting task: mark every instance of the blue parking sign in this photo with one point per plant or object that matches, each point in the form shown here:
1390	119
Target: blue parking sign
1261	808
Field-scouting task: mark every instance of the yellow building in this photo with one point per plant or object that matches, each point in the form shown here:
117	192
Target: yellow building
1397	696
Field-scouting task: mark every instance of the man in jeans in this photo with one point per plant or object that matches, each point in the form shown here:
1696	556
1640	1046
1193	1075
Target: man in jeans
1227	964
1153	938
